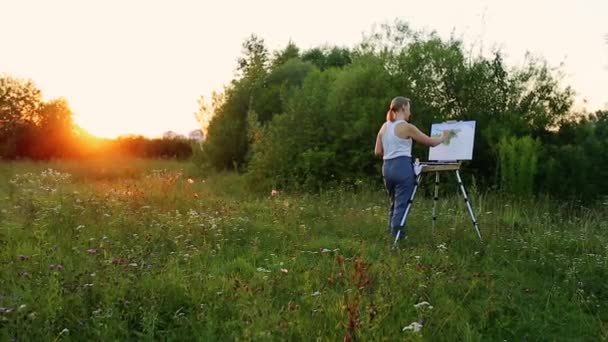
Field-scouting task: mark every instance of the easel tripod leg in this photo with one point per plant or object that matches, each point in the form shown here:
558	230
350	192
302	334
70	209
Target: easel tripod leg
407	209
466	199
435	198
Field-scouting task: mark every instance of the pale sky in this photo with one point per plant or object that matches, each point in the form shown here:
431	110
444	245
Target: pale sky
135	66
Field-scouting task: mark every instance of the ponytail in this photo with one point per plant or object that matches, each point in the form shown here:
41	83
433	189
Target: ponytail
391	115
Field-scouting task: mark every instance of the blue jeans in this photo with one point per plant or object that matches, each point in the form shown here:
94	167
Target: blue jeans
399	180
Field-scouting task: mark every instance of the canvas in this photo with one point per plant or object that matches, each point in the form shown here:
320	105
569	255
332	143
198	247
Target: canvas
458	145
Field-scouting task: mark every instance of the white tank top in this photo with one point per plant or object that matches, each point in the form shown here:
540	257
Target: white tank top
393	145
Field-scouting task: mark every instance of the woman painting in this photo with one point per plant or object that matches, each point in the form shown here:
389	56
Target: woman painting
394	144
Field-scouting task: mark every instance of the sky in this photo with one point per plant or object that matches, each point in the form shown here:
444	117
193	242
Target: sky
138	67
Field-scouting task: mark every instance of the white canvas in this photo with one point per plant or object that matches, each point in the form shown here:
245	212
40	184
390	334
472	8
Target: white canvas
458	146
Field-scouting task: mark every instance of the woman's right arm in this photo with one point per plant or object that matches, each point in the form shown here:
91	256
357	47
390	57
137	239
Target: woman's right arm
422	138
378	150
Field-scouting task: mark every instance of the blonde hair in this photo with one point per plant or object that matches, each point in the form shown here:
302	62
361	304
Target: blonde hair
396	104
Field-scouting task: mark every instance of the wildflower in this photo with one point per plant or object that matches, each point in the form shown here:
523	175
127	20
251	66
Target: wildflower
423	304
284	270
316	293
261	269
414	327
442	247
274	193
190	181
92	251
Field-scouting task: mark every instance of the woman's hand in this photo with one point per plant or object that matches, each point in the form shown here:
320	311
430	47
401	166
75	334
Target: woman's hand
445	134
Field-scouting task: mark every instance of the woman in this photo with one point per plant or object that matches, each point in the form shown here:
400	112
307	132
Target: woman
394	144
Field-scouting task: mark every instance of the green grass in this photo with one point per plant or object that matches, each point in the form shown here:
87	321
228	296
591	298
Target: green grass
144	254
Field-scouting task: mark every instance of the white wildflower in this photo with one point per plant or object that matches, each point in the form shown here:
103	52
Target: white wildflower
423	304
414	327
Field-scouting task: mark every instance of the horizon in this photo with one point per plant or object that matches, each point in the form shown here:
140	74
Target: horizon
114	61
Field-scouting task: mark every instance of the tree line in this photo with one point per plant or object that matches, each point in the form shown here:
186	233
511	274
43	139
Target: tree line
40	130
307	119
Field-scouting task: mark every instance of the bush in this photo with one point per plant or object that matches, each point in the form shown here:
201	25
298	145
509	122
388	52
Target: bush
518	164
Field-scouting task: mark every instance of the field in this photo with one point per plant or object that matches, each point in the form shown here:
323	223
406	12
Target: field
152	250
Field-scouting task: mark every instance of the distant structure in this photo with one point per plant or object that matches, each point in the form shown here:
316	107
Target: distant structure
173	135
197	135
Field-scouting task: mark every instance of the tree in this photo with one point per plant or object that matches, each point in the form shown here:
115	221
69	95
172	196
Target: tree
289	52
207	110
51	134
20	101
324	58
280	84
252	65
227	143
345	110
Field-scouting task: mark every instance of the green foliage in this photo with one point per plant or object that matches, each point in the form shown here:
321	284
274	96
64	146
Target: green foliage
226	143
308	119
226	146
142	147
276	155
281	84
328	57
443	83
518	164
575	160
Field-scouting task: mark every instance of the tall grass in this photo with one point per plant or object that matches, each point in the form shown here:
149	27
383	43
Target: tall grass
134	250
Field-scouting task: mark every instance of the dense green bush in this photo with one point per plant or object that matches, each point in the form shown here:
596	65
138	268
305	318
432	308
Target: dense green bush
518	164
300	122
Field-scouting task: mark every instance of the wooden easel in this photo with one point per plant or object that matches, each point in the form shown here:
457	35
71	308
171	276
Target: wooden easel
437	167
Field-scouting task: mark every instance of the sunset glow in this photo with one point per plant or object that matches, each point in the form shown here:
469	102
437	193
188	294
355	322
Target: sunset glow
138	67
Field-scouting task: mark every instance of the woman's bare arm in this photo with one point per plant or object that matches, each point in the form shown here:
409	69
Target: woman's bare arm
378	150
408	130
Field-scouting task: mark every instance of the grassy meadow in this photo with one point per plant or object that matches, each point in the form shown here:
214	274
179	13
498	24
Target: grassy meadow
153	250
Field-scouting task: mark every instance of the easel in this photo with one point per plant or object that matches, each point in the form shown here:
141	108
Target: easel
437	167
